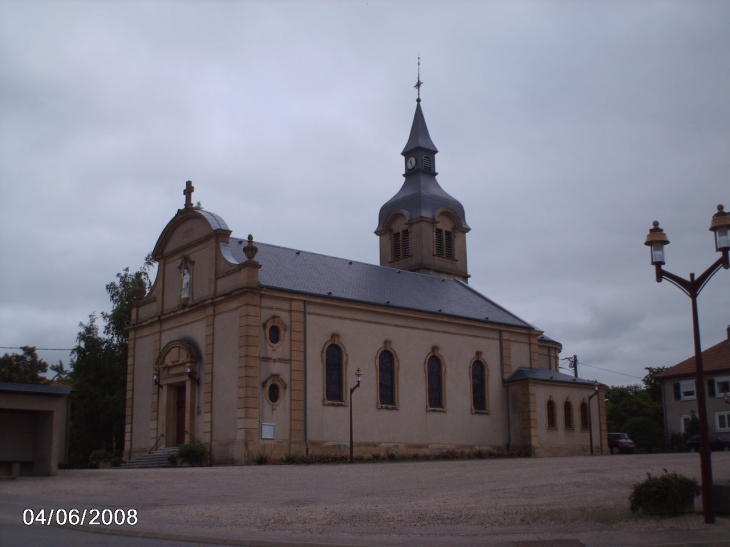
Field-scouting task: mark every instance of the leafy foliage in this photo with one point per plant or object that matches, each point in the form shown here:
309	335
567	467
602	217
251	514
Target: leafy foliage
638	411
99	371
667	494
23	368
193	453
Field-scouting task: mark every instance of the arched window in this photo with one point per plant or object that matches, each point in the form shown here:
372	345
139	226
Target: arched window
435	383
584	415
479	386
568	412
333	372
386	379
551	414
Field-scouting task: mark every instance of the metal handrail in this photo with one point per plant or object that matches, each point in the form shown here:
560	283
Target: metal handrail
155	445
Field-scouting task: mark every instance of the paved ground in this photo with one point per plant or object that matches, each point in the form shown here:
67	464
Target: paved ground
457	503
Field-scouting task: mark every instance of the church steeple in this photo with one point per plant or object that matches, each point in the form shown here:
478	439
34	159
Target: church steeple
422	228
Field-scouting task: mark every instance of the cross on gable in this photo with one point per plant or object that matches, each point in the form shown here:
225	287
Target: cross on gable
189	188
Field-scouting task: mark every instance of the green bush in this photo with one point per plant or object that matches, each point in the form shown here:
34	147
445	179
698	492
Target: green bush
667	494
261	458
193	453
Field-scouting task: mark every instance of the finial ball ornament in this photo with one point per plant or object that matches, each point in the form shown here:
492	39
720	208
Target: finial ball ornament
655	224
250	250
720	207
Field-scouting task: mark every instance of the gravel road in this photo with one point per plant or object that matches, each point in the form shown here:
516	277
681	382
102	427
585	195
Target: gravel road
446	498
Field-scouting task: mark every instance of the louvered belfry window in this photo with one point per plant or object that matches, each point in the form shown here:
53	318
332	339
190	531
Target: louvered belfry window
397	249
439	242
406	243
334	373
448	244
386	375
444	243
435	383
427	163
401	244
478	386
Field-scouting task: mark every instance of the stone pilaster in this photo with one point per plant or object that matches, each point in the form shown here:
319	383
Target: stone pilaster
208	377
249	333
534	351
129	408
296	435
529	416
506	354
154	416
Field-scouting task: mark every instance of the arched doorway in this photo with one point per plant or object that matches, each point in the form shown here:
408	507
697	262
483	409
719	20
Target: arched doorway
178	371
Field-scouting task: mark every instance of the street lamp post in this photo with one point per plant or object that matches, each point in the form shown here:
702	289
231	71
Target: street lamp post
590	416
358	375
657	239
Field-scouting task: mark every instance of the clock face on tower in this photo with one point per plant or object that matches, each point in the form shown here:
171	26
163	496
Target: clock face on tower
411	163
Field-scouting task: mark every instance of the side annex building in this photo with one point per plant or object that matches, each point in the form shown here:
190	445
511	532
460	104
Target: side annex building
252	348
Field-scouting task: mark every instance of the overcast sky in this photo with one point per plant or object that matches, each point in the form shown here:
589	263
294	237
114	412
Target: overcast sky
564	128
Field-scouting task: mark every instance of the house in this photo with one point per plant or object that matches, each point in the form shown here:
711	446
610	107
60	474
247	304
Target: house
253	348
679	391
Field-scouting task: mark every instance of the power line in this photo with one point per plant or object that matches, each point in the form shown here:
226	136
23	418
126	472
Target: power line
609	370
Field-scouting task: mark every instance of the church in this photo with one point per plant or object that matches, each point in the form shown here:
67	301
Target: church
253	348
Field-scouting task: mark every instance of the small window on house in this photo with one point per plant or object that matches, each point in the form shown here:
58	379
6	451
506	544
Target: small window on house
568	414
274	334
478	386
722	386
427	163
334	373
722	421
552	422
435	383
687	390
386	377
584	415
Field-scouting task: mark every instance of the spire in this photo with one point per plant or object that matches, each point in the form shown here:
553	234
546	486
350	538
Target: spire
419	137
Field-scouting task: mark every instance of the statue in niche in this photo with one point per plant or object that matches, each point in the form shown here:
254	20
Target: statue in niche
186	284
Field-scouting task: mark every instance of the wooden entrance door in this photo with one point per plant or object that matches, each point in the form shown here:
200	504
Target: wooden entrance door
179	415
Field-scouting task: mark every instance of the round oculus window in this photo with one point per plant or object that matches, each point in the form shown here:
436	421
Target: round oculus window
274	334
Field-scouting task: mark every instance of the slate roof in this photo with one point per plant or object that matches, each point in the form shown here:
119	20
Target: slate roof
715	358
338	278
419	137
545	375
420	196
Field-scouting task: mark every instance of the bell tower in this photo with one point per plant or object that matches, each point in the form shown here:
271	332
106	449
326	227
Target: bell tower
422	228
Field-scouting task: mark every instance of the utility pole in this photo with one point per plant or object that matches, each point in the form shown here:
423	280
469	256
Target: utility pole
575	365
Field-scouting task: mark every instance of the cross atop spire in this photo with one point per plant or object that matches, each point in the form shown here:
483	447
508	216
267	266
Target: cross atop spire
419	83
189	188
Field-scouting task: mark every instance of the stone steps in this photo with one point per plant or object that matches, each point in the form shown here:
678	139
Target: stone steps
154	460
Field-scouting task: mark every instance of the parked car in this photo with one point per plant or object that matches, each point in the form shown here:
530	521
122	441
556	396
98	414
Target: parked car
716	443
619	443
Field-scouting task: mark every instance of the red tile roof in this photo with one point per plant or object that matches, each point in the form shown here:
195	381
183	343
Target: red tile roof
714	359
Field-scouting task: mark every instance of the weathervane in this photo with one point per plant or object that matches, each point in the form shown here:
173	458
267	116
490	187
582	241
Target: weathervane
419	83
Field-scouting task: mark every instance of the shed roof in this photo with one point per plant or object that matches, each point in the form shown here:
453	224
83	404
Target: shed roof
546	375
38	389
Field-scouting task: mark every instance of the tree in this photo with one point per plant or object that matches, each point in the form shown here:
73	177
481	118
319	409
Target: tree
652	384
23	368
632	410
99	371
